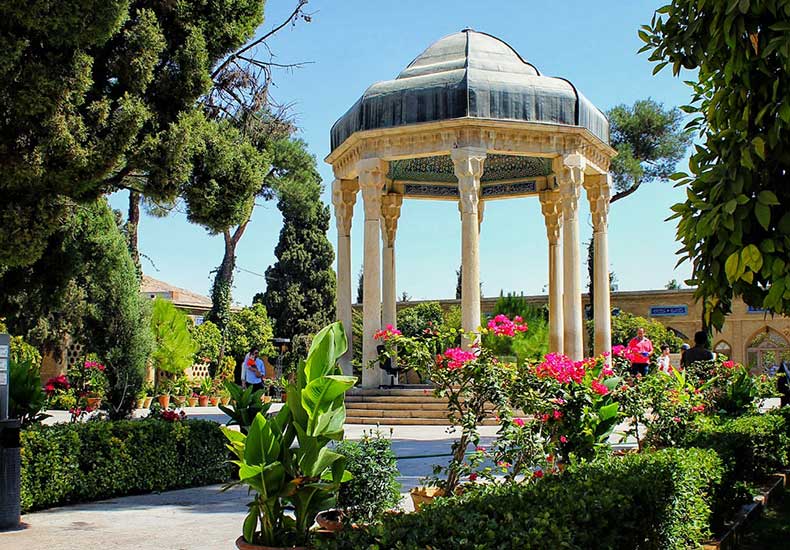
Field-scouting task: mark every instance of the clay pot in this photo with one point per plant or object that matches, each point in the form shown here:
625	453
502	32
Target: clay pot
141	403
192	401
424	495
214	401
93	402
242	544
179	400
224	401
203	401
331	520
164	401
147	402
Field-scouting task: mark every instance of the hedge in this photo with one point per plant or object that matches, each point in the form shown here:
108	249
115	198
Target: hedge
374	487
68	463
658	500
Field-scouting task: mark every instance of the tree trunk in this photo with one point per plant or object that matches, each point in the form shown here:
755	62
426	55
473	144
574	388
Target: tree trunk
132	223
221	295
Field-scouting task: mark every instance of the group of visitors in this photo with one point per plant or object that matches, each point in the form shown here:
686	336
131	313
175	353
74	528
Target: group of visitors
641	349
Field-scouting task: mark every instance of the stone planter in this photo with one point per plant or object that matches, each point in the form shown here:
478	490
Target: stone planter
241	544
203	401
164	401
421	496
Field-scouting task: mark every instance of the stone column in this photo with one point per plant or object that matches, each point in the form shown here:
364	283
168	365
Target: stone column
390	212
371	182
598	193
551	205
468	164
571	178
344	195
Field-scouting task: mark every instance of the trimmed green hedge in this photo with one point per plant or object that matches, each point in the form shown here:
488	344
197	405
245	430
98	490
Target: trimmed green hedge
655	501
751	446
95	460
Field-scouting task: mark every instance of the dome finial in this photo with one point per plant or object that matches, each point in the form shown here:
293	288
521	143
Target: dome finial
467	29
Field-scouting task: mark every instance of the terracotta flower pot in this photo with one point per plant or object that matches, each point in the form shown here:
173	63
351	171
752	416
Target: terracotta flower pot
147	402
203	401
141	403
179	400
93	402
224	401
214	401
192	401
164	401
331	520
421	496
242	544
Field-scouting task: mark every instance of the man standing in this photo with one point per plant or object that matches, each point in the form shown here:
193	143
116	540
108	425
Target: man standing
253	367
699	352
640	349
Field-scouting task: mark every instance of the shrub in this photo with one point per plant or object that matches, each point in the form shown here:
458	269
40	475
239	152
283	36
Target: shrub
208	338
249	326
26	396
650	501
374	488
89	461
175	347
413	320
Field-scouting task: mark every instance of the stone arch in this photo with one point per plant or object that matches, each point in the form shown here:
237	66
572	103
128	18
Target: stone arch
723	347
766	349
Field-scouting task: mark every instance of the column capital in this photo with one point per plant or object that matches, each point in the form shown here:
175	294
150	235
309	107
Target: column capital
344	196
598	189
571	179
372	174
390	212
468	168
551	206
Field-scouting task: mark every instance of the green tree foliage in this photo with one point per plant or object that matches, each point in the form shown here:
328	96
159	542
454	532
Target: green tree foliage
361	285
734	225
174	348
97	95
250	326
300	286
85	285
413	320
208	339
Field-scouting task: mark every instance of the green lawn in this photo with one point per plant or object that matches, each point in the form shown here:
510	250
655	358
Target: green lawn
772	530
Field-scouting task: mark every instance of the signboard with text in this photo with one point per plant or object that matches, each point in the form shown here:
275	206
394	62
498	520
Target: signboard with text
668	311
5	349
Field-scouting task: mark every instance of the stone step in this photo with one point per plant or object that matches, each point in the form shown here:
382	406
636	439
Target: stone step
389	405
395	413
402	392
373	420
393	399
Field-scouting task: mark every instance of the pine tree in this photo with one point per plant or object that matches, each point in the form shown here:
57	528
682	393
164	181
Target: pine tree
300	286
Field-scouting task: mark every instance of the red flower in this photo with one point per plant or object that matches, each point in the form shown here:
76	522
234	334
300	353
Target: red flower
519	422
538	474
550	458
472	476
563	439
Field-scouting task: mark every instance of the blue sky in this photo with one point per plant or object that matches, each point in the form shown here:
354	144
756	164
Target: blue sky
352	43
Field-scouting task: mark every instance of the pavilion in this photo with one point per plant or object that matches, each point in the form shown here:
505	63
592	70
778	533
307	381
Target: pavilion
469	120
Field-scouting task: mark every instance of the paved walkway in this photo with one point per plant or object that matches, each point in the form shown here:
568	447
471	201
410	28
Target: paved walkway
200	518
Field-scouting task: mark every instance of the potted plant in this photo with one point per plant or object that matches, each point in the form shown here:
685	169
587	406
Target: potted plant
224	395
148	388
192	400
141	398
182	389
163	388
305	476
205	392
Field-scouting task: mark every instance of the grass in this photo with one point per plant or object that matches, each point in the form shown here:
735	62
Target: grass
772	530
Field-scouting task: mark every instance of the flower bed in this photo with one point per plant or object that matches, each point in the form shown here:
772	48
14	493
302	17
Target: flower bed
652	500
89	461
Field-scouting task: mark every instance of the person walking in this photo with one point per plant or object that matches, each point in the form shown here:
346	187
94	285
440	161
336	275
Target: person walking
253	370
641	349
699	352
664	362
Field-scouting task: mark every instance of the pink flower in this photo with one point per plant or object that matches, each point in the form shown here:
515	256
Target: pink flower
480	449
698	408
456	358
618	350
563	439
388	332
557	414
502	326
729	364
519	422
599	388
561	368
676	419
558	400
503	464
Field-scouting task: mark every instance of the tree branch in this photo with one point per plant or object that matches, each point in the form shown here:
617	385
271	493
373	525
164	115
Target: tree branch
624	194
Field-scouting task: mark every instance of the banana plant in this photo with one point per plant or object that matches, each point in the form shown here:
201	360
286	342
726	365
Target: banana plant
307	475
245	405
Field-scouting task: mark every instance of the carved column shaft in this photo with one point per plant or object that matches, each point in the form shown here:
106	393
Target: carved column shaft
390	212
551	205
598	193
571	179
468	166
344	195
371	182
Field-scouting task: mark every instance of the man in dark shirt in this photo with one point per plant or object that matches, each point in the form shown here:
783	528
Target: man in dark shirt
699	352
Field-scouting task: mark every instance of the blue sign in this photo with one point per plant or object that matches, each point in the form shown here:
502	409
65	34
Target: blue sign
752	309
199	320
668	311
